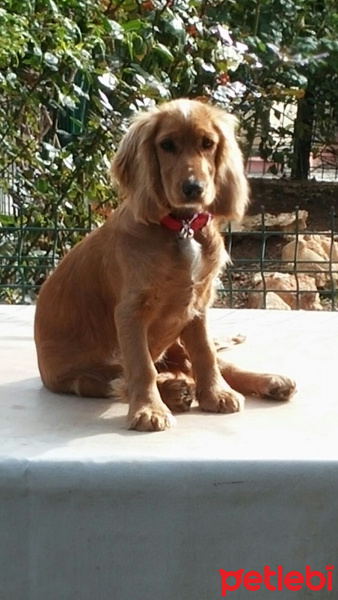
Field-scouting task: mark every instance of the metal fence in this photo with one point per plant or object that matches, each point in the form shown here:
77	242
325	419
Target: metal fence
28	253
277	261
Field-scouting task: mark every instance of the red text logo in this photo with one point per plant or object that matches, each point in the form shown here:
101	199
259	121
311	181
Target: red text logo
276	579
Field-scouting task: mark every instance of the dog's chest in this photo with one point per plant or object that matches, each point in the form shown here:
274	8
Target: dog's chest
187	289
200	258
191	253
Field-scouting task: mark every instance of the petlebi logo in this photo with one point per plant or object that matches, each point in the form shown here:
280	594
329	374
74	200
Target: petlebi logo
276	579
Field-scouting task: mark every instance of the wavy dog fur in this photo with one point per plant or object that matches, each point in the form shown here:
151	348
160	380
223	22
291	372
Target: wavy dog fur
129	301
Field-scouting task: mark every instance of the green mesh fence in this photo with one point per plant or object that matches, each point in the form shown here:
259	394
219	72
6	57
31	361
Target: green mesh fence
29	252
292	268
282	268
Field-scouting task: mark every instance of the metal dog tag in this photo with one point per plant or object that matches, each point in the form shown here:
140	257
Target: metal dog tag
186	231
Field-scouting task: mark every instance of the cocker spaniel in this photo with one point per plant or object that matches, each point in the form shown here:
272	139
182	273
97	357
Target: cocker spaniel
128	303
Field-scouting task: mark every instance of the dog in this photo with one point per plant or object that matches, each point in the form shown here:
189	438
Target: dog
128	303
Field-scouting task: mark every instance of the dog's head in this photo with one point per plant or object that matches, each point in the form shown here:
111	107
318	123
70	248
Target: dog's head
182	155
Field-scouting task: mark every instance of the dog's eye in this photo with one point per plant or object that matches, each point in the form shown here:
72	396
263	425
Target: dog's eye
168	145
207	143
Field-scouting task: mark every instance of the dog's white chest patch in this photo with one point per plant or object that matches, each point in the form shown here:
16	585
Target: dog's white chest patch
192	250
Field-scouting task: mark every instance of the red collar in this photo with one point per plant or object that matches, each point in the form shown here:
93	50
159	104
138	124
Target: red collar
186	227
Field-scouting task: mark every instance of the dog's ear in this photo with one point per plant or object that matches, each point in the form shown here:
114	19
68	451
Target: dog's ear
232	191
136	170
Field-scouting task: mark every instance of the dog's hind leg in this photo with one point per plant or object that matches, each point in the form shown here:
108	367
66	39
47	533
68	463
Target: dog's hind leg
174	380
176	392
249	383
94	382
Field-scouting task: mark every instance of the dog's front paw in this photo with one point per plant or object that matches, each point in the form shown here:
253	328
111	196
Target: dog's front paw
221	401
277	387
149	418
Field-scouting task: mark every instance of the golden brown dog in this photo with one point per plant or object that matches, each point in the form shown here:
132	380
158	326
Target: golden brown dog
131	298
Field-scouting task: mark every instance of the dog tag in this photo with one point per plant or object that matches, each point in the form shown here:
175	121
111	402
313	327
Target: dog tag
186	231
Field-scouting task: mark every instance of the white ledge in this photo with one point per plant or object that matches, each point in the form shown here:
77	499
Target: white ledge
38	425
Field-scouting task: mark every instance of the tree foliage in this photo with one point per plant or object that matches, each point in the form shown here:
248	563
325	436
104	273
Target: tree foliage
72	73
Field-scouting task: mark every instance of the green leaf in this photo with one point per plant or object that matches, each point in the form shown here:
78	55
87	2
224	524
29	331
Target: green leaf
104	101
175	26
134	25
66	100
50	59
53	7
109	80
114	28
164	52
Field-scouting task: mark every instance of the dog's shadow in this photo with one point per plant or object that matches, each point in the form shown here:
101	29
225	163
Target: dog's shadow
30	411
32	414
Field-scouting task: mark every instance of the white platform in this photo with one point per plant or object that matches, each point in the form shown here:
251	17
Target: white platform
91	511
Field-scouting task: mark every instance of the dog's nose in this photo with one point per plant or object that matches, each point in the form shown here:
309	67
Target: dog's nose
192	189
